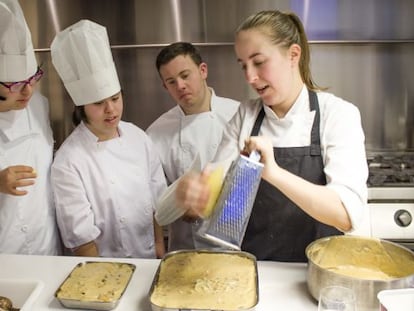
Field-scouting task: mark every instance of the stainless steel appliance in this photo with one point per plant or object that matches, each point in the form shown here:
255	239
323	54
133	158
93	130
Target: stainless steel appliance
361	50
391	197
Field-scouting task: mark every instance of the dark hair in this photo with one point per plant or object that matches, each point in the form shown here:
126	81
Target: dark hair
173	50
284	28
79	115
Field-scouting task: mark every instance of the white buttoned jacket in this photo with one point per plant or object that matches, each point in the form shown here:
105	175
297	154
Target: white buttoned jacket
179	138
106	191
27	223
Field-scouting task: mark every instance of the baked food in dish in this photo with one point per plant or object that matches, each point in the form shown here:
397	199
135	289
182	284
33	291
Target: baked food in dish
96	281
206	280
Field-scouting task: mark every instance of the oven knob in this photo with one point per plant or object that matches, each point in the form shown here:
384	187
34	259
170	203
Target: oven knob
403	218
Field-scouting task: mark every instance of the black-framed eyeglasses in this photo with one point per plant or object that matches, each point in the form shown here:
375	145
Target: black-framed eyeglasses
16	87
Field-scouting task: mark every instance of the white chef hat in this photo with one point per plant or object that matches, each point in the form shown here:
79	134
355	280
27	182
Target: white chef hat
17	57
82	57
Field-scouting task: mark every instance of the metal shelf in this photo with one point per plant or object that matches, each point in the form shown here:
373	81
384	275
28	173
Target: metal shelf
360	42
330	42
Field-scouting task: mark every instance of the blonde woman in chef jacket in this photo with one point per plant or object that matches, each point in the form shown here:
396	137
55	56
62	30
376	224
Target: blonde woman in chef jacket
312	145
106	174
193	127
27	216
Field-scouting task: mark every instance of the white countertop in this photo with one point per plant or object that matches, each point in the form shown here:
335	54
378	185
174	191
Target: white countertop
282	286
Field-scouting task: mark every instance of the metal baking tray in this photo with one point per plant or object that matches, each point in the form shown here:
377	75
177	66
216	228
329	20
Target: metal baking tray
94	304
188	266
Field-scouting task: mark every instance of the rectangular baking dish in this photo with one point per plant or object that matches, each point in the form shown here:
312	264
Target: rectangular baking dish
98	282
186	263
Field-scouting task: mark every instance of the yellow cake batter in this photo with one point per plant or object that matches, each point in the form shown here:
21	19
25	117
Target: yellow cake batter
213	281
363	258
96	281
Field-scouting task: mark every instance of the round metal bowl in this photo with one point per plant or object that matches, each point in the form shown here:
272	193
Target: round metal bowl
366	265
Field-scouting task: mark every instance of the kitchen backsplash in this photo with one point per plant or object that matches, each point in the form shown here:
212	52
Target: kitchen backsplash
362	50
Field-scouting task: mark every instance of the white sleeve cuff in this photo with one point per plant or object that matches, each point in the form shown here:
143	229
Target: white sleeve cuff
167	210
354	205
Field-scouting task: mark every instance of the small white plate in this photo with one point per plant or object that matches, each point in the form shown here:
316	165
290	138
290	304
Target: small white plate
396	299
21	292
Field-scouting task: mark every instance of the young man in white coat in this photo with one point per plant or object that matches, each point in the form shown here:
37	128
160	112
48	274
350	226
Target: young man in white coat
194	127
27	216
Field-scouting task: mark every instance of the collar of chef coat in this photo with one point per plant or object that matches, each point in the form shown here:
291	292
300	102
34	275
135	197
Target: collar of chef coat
213	101
293	130
25	122
92	138
19	127
214	106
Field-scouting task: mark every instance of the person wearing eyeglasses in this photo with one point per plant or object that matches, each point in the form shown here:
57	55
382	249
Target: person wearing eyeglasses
27	215
15	89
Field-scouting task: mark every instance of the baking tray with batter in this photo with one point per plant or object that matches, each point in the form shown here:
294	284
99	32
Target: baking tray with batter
95	285
224	280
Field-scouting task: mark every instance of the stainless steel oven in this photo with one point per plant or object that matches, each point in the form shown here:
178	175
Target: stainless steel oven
391	197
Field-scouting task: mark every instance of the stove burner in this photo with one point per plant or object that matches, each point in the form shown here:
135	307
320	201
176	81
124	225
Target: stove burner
391	171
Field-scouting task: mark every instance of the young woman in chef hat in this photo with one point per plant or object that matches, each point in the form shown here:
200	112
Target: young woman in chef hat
106	175
312	145
27	216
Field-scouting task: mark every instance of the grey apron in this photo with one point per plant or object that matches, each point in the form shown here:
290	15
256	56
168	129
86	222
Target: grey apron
278	229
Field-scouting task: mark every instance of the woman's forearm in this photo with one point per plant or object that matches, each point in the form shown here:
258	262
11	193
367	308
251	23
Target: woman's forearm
318	201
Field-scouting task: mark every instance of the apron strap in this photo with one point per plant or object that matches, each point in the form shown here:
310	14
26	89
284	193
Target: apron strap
258	123
315	147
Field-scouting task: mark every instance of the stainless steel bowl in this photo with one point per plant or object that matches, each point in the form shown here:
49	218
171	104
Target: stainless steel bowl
326	256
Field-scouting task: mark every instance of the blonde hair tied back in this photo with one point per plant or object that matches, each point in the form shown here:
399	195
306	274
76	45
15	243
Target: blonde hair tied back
284	28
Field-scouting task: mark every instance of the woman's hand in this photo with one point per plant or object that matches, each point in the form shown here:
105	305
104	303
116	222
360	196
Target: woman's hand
264	146
14	177
192	193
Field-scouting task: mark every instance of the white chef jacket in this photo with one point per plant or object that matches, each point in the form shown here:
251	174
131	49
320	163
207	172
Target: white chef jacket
342	144
28	223
106	191
179	137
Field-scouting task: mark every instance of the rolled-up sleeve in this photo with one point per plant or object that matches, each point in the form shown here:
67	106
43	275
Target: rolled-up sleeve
74	215
343	147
